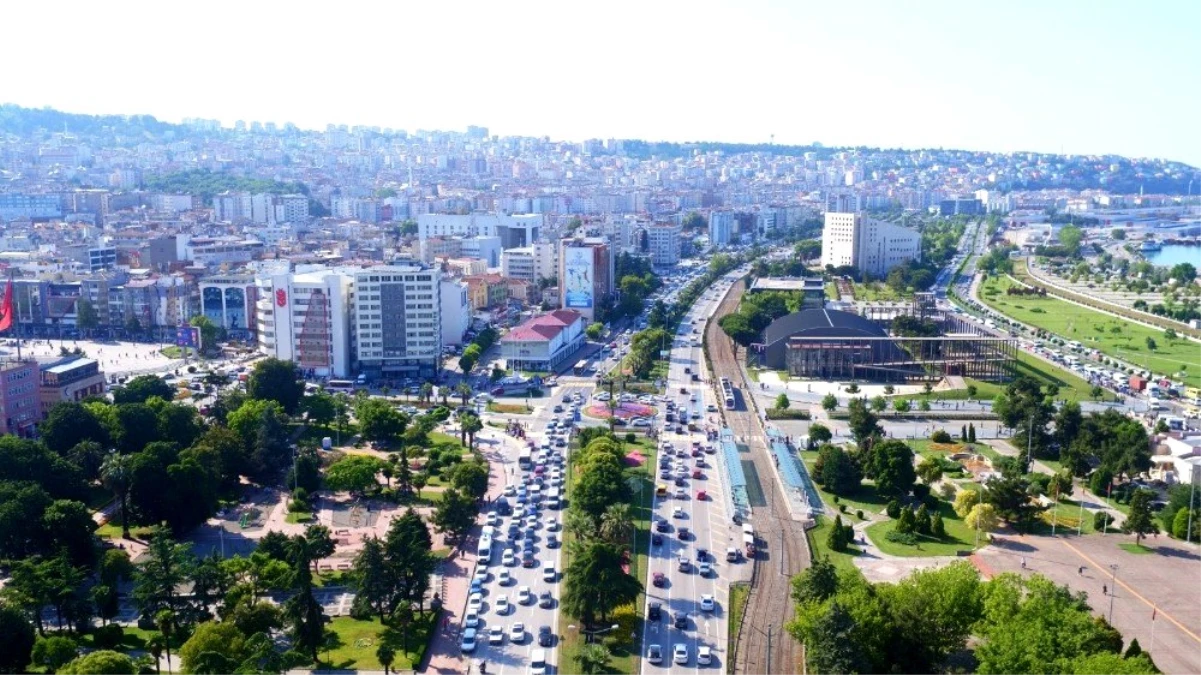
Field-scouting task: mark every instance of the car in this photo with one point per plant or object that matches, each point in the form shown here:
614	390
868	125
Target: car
705	569
677	512
656	539
708	604
683	533
476	587
496	635
711	408
552	541
696	474
545	637
704	655
654	654
679	654
552	524
471	620
524	595
475	602
683	564
502	605
546	601
508	558
528	560
681	621
662	525
558	408
467	644
517	633
659	580
701	495
683	390
654	612
504	578
493	518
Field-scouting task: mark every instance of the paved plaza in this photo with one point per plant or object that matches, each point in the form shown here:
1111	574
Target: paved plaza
121	359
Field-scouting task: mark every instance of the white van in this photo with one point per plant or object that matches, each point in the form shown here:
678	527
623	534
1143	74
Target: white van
548	571
552	498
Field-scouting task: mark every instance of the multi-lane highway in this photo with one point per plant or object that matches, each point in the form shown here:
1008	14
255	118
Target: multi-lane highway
514	652
690	633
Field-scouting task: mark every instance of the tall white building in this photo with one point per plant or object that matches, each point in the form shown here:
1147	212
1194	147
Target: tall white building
455	310
530	263
872	246
721	227
514	231
663	242
305	318
397	320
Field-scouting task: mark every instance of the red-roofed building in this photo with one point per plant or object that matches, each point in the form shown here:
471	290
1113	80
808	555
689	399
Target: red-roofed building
545	342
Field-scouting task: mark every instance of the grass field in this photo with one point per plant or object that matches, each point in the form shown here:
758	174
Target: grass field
739	591
1097	331
817	544
1137	549
353	643
865	498
509	408
876	291
959	537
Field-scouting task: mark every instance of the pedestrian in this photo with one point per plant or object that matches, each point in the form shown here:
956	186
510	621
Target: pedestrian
1080	571
1023	562
1104	589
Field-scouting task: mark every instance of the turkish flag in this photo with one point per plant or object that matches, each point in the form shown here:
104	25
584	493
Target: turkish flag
6	310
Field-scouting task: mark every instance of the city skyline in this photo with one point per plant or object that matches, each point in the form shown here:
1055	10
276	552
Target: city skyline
1073	78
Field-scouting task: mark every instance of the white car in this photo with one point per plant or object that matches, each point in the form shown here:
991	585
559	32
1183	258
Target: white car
524	595
707	603
496	635
475	603
508	558
704	655
493	519
552	525
677	512
504	578
471	620
503	606
517	633
510	491
679	653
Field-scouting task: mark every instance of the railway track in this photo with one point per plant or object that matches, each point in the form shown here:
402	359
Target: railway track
763	645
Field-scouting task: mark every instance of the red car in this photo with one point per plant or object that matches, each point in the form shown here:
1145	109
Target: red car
697	474
658	580
701	495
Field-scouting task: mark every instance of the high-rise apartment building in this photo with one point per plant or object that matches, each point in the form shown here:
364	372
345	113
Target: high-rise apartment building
397	320
871	246
721	227
663	243
20	405
305	318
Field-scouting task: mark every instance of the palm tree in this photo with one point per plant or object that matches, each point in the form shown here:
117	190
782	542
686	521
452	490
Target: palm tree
464	391
116	472
617	524
385	390
386	655
426	392
471	425
165	622
579	524
443	393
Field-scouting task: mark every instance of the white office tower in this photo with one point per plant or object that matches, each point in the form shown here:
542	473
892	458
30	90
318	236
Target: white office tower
305	317
397	320
872	246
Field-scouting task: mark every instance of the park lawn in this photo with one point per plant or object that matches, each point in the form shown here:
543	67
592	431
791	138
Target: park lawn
509	408
1071	387
739	592
298	517
1066	517
624	658
1136	549
112	529
1094	330
876	291
353	643
818	534
440	441
832	291
959	537
133	639
865	498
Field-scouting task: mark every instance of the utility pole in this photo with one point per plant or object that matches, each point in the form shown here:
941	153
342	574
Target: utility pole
1113	589
768	649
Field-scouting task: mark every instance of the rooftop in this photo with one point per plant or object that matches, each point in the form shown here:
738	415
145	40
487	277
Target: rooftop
543	327
788	284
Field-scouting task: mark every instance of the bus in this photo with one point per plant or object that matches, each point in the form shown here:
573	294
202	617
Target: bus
580	368
524	458
340	387
727	393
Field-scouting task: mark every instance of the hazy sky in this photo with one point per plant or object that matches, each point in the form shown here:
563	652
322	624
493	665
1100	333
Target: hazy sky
1091	76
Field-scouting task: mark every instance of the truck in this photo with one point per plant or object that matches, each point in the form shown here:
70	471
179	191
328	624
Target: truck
1137	383
748	539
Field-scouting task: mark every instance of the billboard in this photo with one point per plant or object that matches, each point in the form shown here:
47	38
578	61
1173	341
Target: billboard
187	336
578	287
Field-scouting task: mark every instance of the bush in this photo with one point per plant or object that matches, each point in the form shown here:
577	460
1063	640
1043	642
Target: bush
631	438
930	501
842	508
906	538
921	491
941	436
859	514
893	509
108	637
1100	520
836	499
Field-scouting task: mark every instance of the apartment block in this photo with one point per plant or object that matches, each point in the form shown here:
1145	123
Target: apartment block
397	320
20	404
305	318
871	246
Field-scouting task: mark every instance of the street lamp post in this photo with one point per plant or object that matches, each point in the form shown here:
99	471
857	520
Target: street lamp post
1113	589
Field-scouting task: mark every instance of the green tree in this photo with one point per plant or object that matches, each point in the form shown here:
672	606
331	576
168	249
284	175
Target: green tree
837	538
819	434
832	648
817	582
782	402
379	421
879	404
210	333
320	408
901	405
937	528
593	658
1181	521
304	614
595	330
69	424
595	583
839	473
100	662
142	388
54	652
276	380
972	390
617	524
982	517
1071	237
600	484
354	473
385	654
921	520
470	424
929	470
890	463
471	478
166	567
829	402
455	513
906	523
116	472
212	637
71	528
17	645
1140	521
738	327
